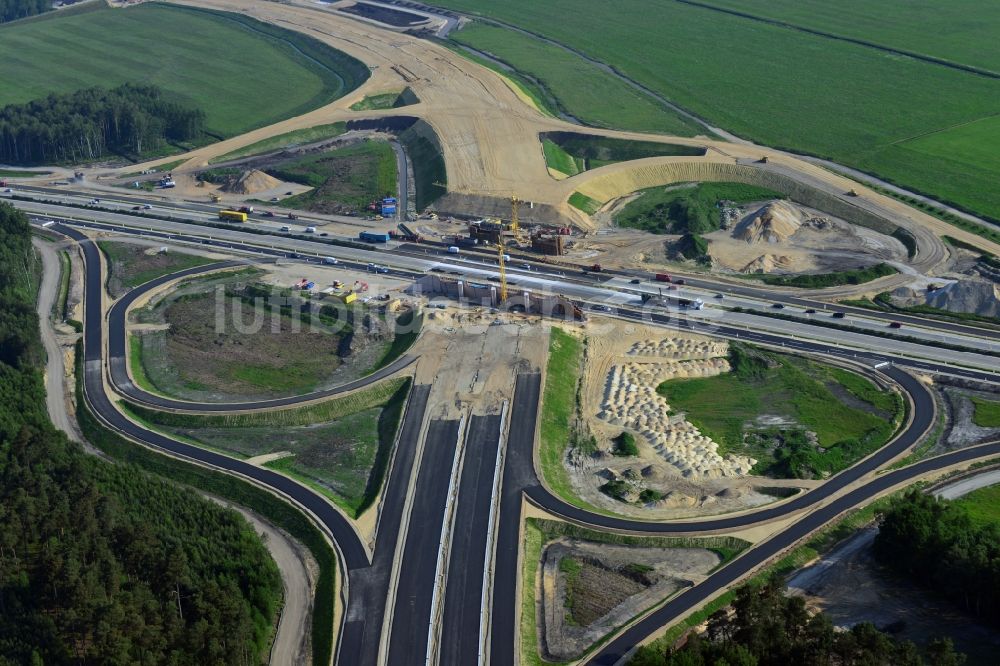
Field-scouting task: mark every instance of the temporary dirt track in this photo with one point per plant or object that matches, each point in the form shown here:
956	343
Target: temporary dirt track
489	131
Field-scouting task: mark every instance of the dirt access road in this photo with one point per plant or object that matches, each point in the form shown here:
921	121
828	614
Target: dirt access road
55	369
489	131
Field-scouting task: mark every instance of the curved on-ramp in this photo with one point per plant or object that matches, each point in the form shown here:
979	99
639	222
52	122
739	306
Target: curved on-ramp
520	477
353	555
118	351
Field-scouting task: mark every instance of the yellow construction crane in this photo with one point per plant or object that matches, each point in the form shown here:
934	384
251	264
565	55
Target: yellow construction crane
515	221
503	270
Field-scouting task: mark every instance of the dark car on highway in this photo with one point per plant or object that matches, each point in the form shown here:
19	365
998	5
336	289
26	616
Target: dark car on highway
839	315
778	306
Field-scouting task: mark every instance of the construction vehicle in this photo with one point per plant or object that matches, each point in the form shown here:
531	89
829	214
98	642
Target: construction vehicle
372	237
214	196
232	216
594	268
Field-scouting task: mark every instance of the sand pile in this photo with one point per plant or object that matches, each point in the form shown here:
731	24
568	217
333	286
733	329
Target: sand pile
631	402
679	349
971	296
768	263
253	182
773	223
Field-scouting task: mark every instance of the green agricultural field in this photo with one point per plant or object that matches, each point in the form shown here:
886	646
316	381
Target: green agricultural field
987	414
960	31
286	140
199	57
342	179
783	87
583	89
339	446
130	265
690	207
764	406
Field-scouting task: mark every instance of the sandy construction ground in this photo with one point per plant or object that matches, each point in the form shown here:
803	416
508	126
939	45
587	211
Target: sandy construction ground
624	364
489	131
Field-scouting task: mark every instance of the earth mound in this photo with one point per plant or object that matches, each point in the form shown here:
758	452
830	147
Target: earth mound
774	223
768	263
969	296
253	182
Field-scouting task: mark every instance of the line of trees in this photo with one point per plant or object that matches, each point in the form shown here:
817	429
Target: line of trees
936	545
100	562
11	10
766	628
93	123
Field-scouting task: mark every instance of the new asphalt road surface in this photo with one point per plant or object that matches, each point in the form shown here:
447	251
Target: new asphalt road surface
468	559
413	610
411	616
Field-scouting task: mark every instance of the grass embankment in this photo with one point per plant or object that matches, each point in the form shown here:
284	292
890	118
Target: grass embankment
386	100
538	533
821	280
193	54
15	173
691	208
766	405
571	153
926	126
583	202
581	89
987	414
559	160
60	307
408	327
982	505
136	368
559	405
342	179
130	265
340	447
235	490
286	140
423	149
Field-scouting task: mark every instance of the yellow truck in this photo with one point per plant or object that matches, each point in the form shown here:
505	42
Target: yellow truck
232	216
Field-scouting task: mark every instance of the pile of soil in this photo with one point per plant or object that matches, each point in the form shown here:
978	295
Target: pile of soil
971	296
768	263
252	182
774	223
